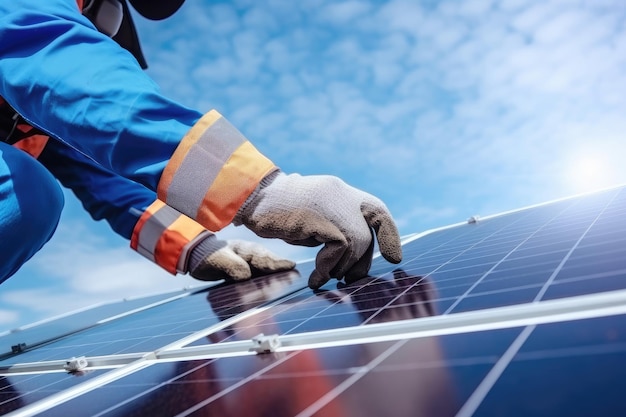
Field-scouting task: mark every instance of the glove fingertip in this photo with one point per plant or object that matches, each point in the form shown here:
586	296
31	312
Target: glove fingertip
317	280
240	274
227	261
379	218
389	244
284	265
393	255
267	264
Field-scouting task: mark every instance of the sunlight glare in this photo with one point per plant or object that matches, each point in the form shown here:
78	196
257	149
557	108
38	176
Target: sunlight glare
589	172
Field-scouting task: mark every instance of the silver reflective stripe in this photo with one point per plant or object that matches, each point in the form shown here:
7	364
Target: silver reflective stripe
152	230
202	165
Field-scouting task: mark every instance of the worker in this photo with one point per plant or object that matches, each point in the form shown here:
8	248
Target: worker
165	176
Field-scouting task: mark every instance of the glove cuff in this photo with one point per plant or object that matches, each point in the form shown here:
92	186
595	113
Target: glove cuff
250	202
206	247
166	237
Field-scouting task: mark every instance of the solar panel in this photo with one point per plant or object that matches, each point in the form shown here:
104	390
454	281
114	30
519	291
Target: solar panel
159	325
45	331
520	313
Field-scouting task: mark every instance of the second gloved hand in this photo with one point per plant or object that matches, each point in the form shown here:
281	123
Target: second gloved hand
314	210
238	260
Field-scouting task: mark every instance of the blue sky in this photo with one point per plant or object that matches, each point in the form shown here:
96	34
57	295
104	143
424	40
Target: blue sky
443	109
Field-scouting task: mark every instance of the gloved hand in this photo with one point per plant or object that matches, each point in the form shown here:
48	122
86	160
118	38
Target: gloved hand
214	259
314	210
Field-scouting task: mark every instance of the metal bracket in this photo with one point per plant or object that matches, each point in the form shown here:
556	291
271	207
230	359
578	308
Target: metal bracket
76	364
473	220
19	348
265	344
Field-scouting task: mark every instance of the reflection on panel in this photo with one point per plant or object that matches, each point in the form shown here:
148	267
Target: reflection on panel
536	254
393	296
421	377
156	327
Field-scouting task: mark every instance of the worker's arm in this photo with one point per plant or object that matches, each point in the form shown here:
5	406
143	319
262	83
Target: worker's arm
80	86
70	80
168	238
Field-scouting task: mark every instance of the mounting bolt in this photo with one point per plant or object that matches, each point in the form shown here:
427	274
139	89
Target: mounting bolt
473	219
265	344
19	348
75	364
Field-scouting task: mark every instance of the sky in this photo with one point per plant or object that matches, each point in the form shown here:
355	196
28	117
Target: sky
443	109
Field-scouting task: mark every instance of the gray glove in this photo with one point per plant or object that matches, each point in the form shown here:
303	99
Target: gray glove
314	210
214	259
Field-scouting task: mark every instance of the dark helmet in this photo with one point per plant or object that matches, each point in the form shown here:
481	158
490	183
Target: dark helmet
150	9
156	9
113	18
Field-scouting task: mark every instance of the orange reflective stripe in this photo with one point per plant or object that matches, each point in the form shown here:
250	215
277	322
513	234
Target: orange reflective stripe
165	236
212	172
237	179
33	145
174	242
153	208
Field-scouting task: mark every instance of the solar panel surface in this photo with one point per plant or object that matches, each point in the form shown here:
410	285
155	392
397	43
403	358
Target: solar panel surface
157	326
499	265
54	328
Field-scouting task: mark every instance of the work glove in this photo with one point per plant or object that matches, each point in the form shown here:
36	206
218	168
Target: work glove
315	210
238	260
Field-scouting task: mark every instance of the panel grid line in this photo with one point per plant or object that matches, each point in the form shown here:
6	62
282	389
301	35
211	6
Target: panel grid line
441	266
130	399
474	401
569	254
475	284
236	385
362	371
485	386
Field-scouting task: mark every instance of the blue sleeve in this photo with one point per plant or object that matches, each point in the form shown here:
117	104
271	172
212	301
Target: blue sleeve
81	87
104	194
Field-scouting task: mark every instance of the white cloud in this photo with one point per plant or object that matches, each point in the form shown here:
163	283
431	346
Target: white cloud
352	84
534	15
8	317
344	12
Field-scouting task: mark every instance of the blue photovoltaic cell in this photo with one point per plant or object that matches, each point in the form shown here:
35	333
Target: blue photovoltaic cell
84	319
568	369
17	391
